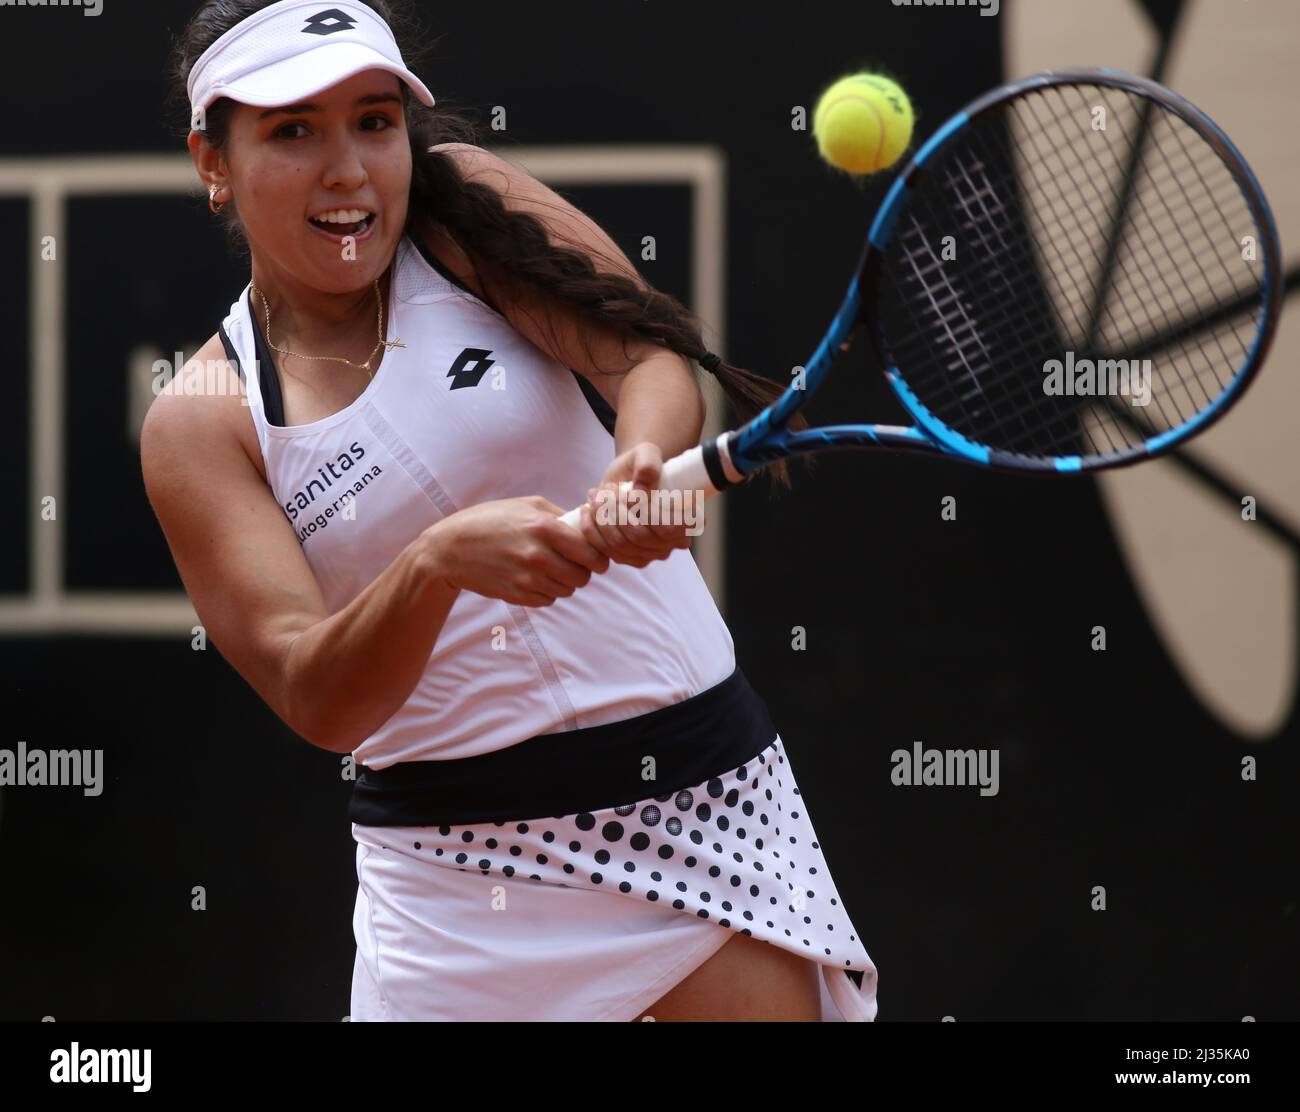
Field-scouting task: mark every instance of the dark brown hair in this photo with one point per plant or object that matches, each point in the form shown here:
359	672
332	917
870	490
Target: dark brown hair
477	218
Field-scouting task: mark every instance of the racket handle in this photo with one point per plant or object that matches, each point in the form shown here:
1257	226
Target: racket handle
684	472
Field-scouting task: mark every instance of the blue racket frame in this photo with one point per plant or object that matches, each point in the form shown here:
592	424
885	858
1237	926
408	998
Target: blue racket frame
766	437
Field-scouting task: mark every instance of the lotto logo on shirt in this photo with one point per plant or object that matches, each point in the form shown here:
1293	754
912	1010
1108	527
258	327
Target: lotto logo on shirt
470	367
335	477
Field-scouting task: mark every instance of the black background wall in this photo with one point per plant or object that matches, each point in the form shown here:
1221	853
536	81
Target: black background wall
972	633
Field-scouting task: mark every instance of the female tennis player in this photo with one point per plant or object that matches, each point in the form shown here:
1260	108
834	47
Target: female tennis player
570	804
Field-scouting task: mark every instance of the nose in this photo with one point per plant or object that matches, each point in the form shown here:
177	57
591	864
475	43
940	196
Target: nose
344	167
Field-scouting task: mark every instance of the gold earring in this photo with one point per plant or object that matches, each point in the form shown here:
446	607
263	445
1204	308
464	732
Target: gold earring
212	196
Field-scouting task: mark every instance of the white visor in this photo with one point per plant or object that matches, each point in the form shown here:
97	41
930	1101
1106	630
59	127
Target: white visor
293	49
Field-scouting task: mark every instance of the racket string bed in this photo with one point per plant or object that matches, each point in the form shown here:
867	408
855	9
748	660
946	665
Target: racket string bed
1006	248
1030	333
1038	334
925	325
1152	271
1174	261
1034	201
1089	269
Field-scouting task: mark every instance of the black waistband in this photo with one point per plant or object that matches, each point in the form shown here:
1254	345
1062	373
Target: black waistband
596	767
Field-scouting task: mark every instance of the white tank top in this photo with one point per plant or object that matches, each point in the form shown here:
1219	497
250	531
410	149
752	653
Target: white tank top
470	411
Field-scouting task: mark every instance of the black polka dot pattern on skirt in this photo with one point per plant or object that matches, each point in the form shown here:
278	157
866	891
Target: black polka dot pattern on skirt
738	850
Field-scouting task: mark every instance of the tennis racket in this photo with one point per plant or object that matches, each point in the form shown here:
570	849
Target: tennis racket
1078	271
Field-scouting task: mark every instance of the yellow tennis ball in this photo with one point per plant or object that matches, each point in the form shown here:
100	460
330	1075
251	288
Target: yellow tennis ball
862	123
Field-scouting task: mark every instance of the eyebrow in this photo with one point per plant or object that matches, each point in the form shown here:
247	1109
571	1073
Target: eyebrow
373	98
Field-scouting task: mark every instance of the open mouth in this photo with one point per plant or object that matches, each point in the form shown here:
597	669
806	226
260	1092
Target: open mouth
350	228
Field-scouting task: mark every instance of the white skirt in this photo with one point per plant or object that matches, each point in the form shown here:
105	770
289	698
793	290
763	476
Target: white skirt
595	916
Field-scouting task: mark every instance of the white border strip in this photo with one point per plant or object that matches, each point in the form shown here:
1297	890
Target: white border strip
49	182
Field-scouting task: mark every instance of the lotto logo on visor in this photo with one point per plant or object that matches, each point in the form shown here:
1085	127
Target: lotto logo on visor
290	50
326	23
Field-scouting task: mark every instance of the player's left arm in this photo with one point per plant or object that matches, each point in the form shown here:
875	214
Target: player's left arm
652	389
654	385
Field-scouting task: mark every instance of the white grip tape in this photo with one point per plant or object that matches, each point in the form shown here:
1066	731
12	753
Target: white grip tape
684	472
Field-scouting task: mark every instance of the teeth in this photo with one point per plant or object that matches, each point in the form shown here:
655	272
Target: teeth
342	216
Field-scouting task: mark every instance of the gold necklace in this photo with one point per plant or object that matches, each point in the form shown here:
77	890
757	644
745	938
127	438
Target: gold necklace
387	345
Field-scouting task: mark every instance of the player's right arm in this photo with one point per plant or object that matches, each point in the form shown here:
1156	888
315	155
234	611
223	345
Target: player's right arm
333	678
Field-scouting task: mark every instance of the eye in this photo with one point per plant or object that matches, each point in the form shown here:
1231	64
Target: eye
382	119
280	131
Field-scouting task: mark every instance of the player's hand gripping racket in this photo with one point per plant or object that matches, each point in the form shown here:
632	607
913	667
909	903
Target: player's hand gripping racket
1077	271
